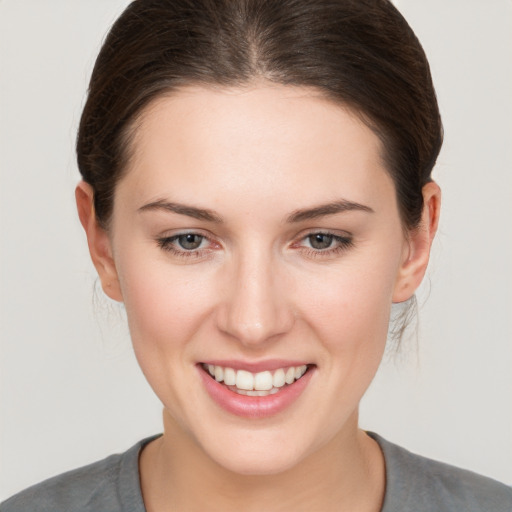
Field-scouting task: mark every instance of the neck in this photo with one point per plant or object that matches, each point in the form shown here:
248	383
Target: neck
346	474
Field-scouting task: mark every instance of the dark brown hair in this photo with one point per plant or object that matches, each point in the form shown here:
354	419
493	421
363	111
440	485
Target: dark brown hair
359	53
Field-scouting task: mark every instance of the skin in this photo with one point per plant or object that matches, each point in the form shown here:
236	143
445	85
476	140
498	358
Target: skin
257	290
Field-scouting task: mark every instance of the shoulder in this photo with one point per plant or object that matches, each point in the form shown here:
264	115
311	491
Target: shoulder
73	490
110	484
416	483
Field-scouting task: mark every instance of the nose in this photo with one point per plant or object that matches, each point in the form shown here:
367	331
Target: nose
256	307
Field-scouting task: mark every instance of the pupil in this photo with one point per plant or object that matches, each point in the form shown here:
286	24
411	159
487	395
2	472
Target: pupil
320	241
190	241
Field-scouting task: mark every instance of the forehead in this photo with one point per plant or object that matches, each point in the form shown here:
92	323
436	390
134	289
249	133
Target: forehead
266	141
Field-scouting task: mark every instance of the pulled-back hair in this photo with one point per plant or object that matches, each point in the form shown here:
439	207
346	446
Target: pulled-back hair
359	53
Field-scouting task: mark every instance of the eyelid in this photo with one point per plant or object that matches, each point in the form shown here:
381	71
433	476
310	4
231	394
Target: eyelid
335	233
169	233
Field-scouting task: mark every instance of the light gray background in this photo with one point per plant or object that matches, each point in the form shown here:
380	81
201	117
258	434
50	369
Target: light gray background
71	391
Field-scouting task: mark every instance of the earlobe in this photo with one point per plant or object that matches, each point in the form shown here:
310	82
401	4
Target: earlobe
98	241
417	248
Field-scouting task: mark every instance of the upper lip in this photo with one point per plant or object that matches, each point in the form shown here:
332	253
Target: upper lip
255	366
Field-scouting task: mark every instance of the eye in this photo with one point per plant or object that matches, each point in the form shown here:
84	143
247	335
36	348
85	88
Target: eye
190	241
187	245
320	241
321	244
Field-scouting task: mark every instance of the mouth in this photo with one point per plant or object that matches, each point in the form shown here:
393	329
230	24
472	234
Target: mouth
263	383
252	394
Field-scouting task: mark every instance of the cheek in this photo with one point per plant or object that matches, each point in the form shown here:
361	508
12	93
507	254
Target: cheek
349	307
165	305
167	308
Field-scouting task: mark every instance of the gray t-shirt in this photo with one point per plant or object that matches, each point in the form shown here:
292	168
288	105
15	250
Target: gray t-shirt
413	484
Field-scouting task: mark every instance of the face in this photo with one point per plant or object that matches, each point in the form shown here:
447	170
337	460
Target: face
257	230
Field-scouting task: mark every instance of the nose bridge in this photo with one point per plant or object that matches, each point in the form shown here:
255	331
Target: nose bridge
256	308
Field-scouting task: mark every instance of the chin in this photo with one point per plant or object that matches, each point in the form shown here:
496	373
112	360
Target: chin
254	454
258	463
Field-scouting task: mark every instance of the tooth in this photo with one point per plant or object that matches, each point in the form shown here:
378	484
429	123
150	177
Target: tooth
263	381
219	374
278	380
273	391
244	380
229	377
241	392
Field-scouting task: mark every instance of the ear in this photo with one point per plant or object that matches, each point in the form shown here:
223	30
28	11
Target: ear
417	247
99	242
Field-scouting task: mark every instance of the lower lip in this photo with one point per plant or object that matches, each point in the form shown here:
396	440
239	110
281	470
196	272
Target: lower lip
254	406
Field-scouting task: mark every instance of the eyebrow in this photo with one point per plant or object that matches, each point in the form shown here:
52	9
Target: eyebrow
327	209
333	208
181	209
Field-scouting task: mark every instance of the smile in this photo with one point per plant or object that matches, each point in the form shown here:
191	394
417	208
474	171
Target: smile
263	383
268	390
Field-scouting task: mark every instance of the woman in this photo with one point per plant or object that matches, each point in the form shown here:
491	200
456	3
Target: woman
257	191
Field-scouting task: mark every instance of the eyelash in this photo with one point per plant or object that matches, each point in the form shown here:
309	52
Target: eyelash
342	244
